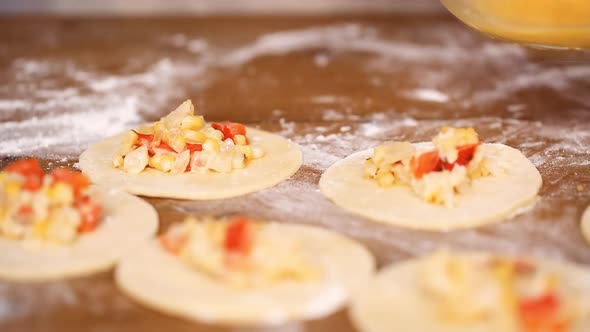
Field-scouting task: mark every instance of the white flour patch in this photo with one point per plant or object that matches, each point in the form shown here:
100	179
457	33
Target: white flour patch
66	121
321	60
332	115
280	43
328	99
28	68
370	129
10	105
197	45
61	131
287	127
430	95
359	38
178	40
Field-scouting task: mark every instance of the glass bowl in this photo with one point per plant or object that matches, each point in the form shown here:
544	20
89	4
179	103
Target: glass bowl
549	23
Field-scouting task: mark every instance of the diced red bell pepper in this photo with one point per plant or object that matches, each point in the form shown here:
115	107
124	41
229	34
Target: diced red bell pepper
172	245
25	210
238	236
192	148
163	145
30	170
90	213
229	129
143	139
218	125
77	180
541	314
425	163
523	266
465	154
148	140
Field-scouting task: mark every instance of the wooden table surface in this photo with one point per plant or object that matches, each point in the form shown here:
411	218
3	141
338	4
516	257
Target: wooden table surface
332	85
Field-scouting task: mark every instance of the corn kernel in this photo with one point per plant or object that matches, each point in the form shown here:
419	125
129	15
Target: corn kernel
238	161
214	133
12	189
384	168
117	161
130	138
552	282
146	129
257	152
163	163
379	154
385	179
369	168
61	193
176	140
160	131
245	150
194	122
194	136
40	228
211	145
240	139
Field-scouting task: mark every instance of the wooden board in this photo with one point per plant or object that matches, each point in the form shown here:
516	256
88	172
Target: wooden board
332	85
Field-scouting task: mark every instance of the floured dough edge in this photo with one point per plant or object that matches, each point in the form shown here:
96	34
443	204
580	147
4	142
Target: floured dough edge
282	159
163	282
392	302
490	199
127	221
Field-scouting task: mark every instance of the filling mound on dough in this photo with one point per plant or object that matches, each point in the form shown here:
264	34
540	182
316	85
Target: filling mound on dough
437	175
238	252
53	207
515	293
182	142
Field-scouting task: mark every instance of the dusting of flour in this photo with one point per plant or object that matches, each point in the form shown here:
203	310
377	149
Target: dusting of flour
443	66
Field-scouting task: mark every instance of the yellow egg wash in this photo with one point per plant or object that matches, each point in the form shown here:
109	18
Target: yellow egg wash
564	23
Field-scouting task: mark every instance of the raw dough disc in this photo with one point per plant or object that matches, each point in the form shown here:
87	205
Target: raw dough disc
585	225
127	221
282	159
488	199
164	282
394	301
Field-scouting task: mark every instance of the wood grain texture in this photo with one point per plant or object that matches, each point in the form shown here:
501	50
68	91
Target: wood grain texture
332	85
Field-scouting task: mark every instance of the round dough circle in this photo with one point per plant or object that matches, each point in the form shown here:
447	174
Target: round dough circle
282	159
394	301
487	200
164	282
127	221
585	224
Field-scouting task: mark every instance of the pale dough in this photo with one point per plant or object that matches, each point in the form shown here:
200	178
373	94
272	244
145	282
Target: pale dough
281	160
126	222
585	225
487	200
163	281
395	302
